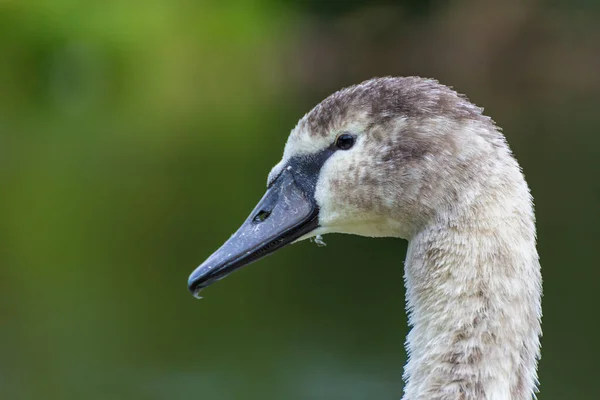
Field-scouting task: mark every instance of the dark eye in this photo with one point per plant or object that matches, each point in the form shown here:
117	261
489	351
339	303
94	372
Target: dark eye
344	141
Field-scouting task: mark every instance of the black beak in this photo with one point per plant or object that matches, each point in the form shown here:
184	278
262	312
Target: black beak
286	212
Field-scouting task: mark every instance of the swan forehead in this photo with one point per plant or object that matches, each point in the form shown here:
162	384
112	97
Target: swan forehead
409	114
377	103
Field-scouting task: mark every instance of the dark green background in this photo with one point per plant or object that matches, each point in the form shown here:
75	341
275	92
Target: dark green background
135	136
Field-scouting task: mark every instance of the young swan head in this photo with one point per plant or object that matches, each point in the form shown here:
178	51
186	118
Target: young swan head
382	158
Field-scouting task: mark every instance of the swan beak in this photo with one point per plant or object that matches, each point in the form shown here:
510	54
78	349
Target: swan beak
286	212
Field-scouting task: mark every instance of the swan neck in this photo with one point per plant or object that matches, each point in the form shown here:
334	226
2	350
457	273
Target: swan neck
474	301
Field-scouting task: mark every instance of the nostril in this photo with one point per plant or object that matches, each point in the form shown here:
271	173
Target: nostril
261	216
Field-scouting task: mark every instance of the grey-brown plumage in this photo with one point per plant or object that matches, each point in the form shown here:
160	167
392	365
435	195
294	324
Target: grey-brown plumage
386	99
432	163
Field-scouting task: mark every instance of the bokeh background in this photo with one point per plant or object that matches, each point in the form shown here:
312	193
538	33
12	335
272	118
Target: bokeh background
135	136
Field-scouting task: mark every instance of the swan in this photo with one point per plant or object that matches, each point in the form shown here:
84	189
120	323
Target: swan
411	158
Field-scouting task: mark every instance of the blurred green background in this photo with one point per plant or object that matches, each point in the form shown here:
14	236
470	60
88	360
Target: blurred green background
135	136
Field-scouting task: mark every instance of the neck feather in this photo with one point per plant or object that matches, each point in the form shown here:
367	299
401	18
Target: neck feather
474	301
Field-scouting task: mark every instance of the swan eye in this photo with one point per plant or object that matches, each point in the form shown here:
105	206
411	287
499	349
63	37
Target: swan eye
344	141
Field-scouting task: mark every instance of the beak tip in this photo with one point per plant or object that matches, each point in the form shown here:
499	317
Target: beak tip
194	285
